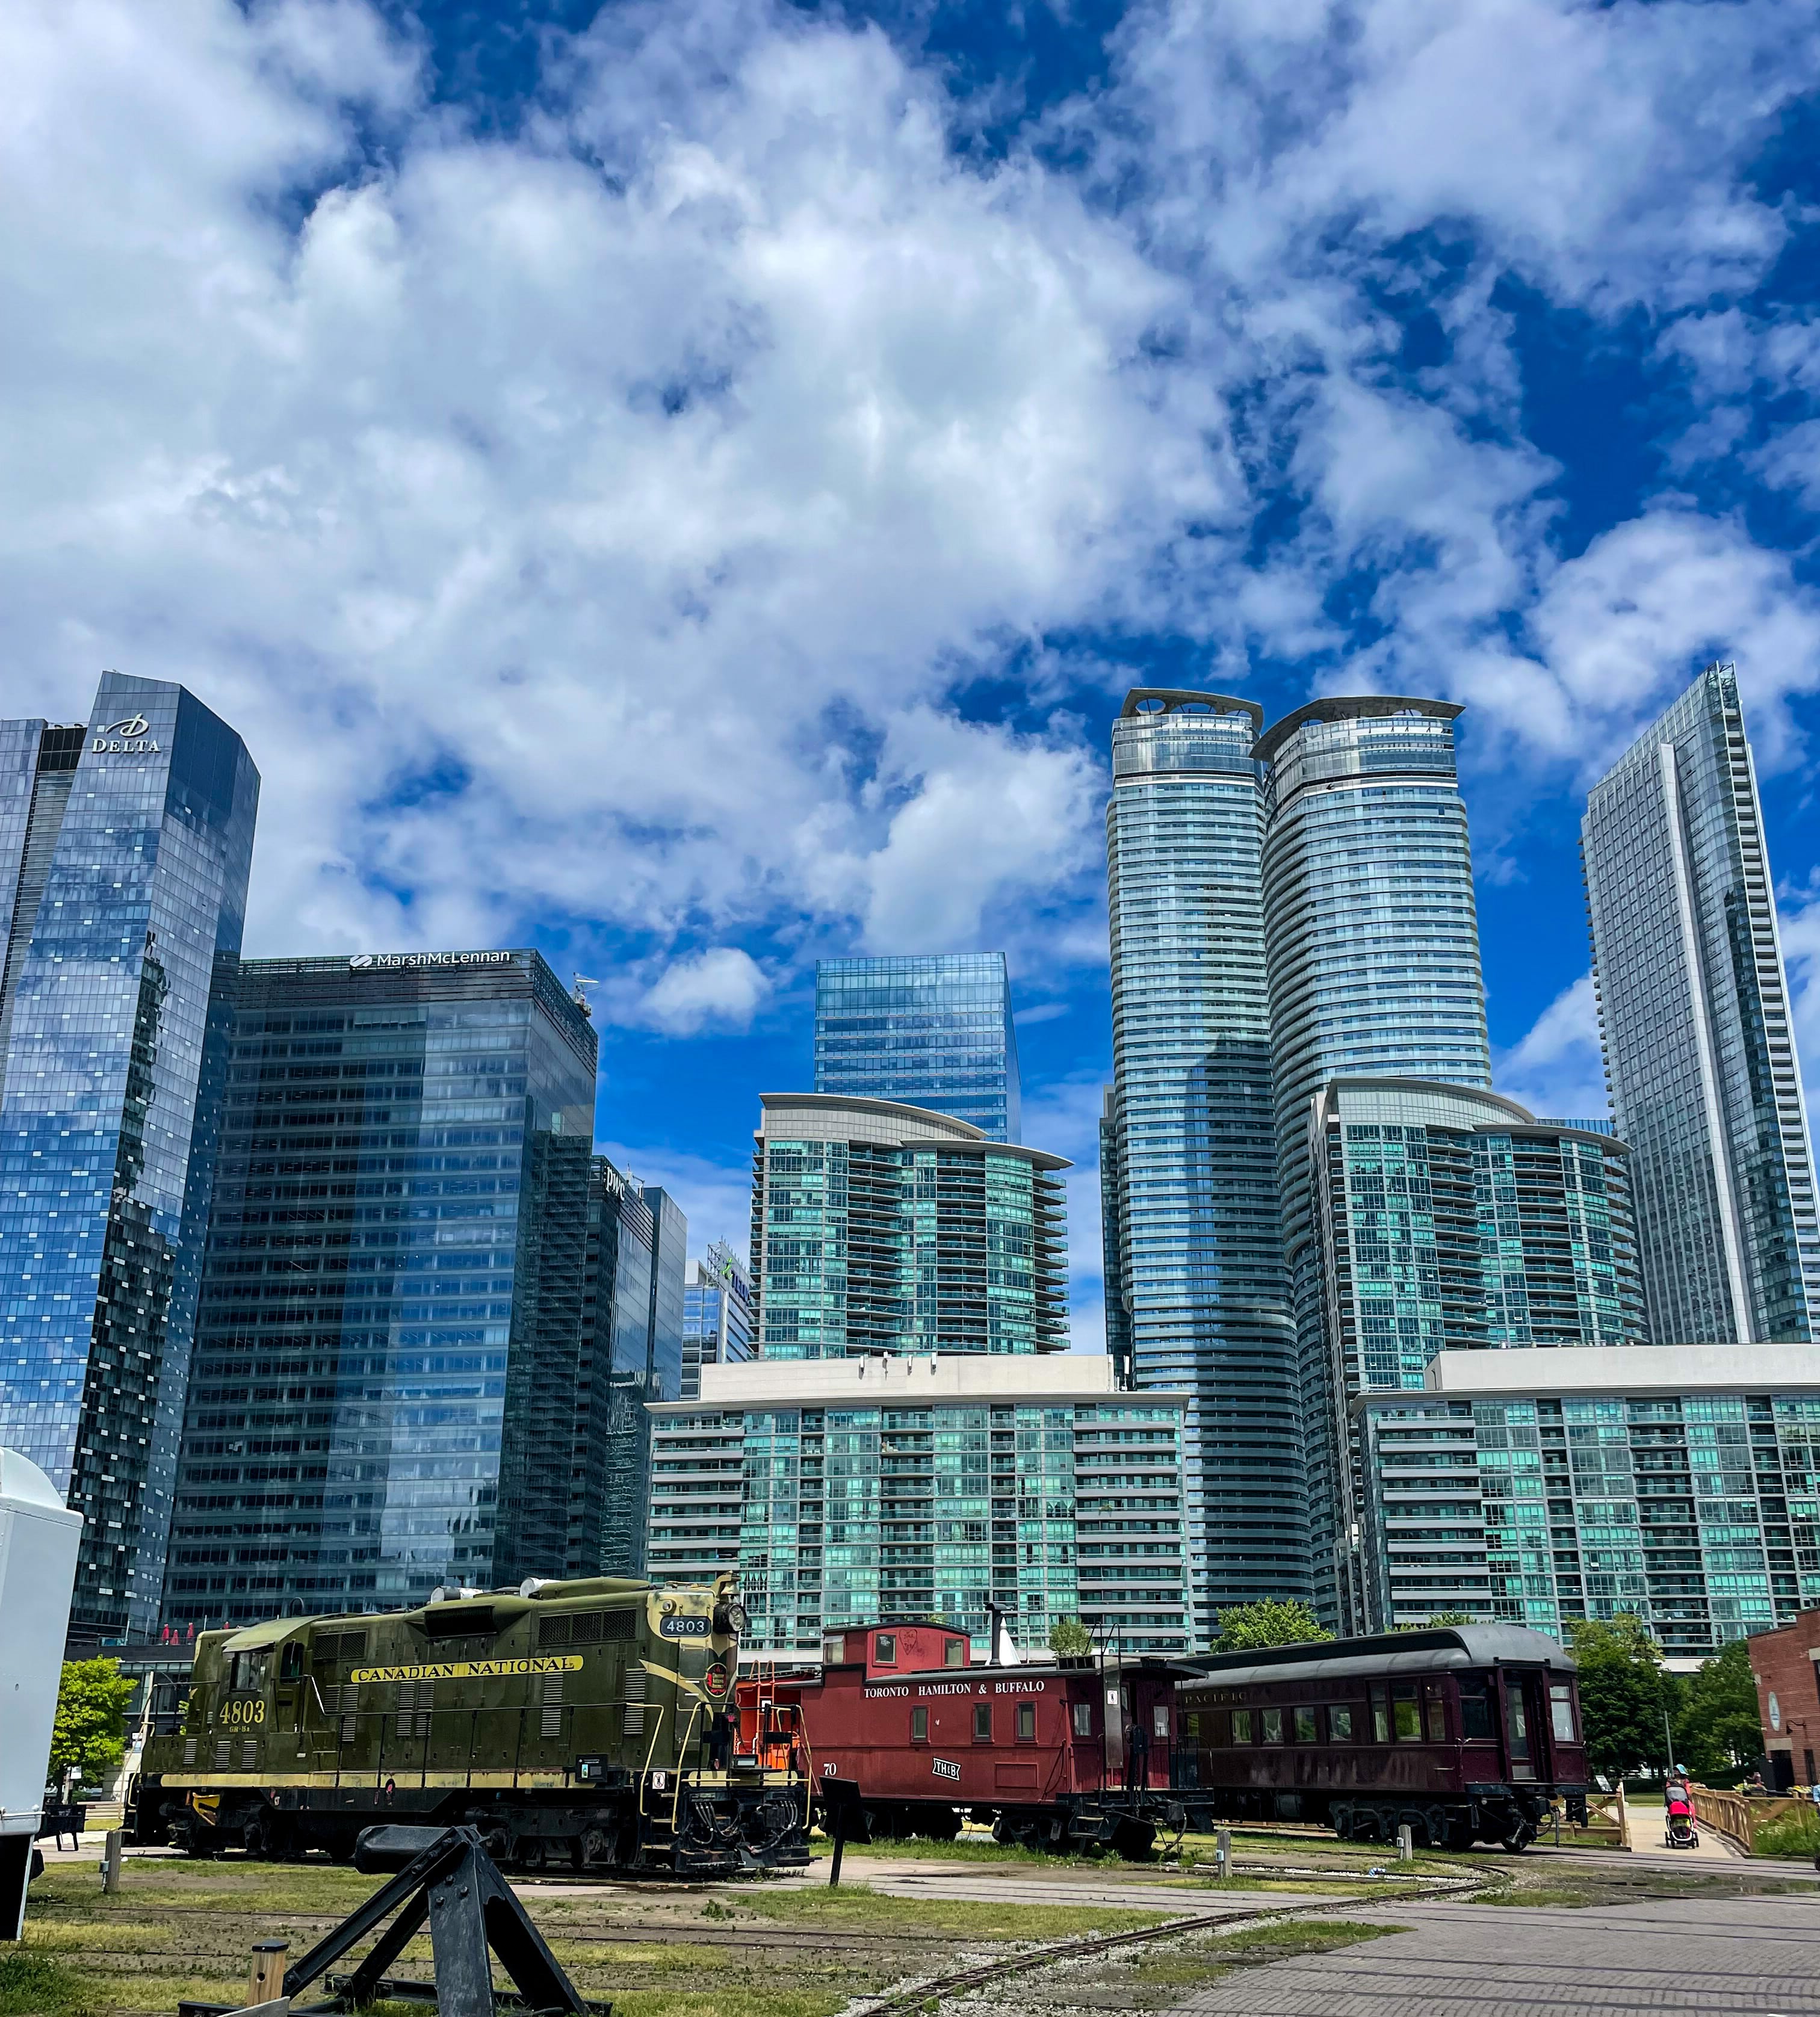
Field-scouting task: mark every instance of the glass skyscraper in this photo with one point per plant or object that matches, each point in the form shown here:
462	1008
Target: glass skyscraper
720	1320
878	1227
1694	1016
124	847
1371	945
1197	1295
931	1029
389	1342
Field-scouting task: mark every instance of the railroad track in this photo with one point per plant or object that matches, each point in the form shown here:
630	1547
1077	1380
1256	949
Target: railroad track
918	1997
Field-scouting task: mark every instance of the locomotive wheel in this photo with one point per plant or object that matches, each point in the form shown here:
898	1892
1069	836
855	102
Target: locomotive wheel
530	1853
596	1845
256	1836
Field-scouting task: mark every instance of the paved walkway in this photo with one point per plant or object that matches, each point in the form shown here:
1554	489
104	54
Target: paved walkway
1709	1955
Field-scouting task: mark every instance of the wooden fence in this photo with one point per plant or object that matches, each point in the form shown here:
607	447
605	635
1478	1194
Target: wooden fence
1742	1816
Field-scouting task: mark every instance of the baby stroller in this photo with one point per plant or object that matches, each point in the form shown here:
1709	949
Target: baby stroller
1680	1829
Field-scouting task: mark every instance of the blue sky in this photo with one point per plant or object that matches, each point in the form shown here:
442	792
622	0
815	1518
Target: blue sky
687	485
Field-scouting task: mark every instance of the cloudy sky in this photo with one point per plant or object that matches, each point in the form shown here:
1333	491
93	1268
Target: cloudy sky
686	486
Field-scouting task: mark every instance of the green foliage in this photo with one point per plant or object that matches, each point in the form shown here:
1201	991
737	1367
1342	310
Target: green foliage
1624	1690
89	1736
1717	1730
1248	1627
1441	1620
32	1984
1069	1639
1796	1833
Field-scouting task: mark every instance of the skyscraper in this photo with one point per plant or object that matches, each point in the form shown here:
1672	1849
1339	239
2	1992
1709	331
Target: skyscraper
929	1029
389	1344
125	848
632	1349
720	1323
877	1227
1694	1018
1196	1296
1371	944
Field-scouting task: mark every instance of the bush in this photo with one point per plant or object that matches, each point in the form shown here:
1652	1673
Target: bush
1796	1833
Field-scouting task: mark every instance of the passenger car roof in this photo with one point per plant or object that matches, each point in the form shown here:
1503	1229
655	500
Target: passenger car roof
1386	1654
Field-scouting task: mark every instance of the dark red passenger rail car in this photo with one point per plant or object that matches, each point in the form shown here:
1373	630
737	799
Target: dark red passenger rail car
1073	1756
1466	1734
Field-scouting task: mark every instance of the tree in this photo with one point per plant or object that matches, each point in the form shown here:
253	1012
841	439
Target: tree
1718	1729
1439	1619
1624	1691
1249	1627
89	1735
1069	1639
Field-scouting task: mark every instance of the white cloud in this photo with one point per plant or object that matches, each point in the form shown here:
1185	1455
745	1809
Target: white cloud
720	985
716	1200
1557	1070
1800	918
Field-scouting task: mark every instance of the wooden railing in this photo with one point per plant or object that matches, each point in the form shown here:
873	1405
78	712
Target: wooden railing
1741	1816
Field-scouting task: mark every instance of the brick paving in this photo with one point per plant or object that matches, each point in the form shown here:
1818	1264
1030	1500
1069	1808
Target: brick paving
1760	1955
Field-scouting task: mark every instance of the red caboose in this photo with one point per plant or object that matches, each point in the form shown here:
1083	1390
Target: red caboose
1057	1755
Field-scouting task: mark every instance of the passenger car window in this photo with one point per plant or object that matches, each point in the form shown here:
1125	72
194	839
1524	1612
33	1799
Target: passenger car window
1339	1725
1475	1723
1560	1709
1437	1712
919	1726
1241	1725
1272	1720
982	1722
1027	1722
1083	1718
1405	1713
1380	1713
1306	1731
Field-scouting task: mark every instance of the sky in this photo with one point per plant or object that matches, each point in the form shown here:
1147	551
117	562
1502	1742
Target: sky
686	486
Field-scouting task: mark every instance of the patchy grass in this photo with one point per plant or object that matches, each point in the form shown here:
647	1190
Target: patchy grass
1559	1884
857	1908
30	1982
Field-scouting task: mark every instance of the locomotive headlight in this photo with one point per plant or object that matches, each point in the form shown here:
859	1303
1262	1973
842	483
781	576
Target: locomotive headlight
668	1607
731	1616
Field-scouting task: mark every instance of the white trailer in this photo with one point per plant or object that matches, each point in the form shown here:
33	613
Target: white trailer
38	1538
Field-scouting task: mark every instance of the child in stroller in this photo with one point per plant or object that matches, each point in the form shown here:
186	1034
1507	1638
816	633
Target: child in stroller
1680	1829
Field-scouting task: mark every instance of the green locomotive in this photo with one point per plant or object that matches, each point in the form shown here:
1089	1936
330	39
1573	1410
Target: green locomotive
580	1725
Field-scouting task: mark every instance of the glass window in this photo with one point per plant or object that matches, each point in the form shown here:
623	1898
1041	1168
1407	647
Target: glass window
1437	1713
1027	1722
1380	1713
1340	1724
1191	1726
954	1653
291	1661
919	1726
834	1650
885	1649
1405	1713
1476	1723
1241	1725
1307	1729
1160	1719
1083	1718
982	1722
1270	1721
1561	1708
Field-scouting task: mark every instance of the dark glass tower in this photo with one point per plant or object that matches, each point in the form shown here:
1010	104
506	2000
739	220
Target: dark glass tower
390	1334
124	847
930	1030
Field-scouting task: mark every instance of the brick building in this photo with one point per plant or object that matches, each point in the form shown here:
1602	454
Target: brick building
1785	1666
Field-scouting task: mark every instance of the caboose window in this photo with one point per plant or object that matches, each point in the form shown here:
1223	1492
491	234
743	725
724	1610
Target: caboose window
982	1722
1560	1709
885	1649
1027	1722
1405	1713
1084	1718
1272	1720
1241	1725
1307	1730
1475	1723
954	1653
834	1650
919	1726
1339	1725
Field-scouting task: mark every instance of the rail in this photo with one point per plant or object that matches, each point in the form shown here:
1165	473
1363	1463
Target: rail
1741	1816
